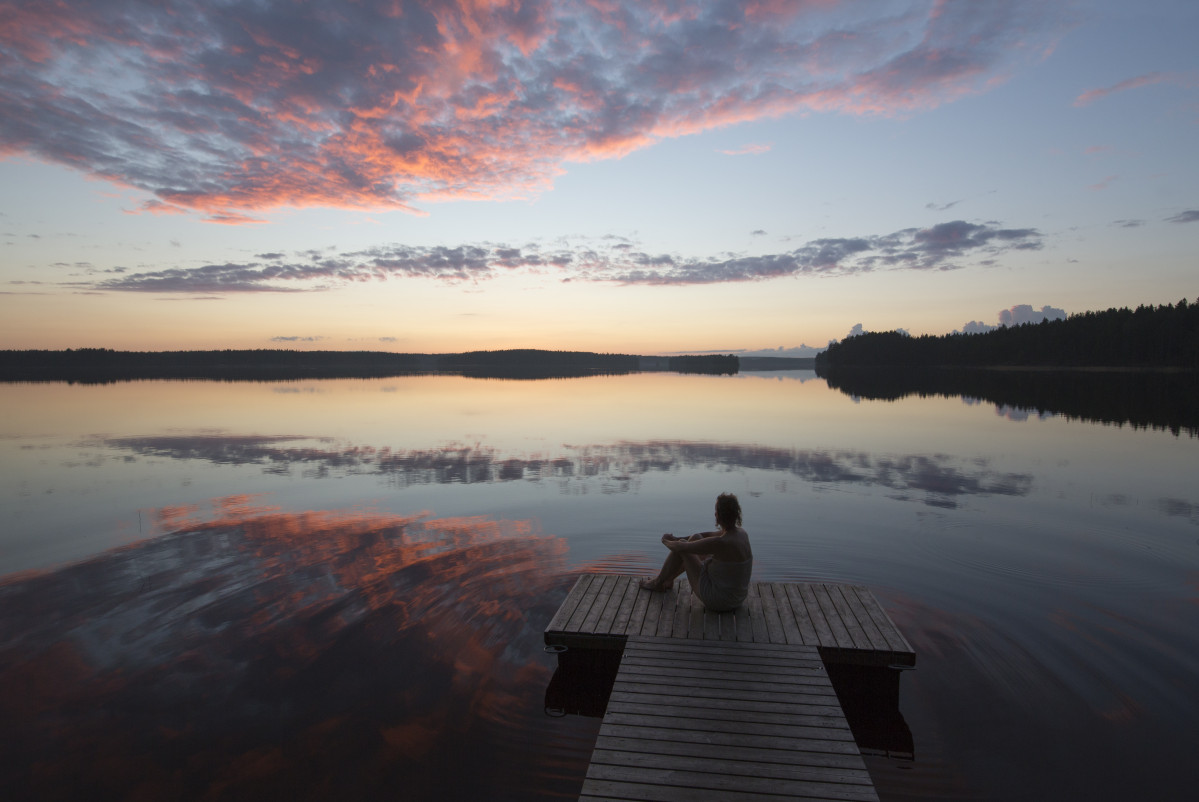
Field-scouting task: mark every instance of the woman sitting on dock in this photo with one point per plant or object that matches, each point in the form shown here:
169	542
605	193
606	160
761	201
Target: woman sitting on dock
717	563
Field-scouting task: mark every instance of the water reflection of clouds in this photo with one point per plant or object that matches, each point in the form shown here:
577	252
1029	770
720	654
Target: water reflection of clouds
1015	414
1020	414
253	652
941	476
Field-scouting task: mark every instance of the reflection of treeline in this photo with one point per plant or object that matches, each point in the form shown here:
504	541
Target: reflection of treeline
1144	399
104	364
1149	336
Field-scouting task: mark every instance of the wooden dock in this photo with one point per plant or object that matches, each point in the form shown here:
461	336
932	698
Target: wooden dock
727	706
703	720
844	622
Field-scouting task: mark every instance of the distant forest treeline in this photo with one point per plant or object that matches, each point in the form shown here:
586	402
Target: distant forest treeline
104	364
1149	336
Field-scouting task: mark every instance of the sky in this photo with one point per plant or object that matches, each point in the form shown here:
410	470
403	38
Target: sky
653	177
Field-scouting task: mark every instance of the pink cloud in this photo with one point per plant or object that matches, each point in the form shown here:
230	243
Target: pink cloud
1092	95
748	150
232	219
379	104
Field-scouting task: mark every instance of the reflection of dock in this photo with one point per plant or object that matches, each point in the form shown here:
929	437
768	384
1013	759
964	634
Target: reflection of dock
728	705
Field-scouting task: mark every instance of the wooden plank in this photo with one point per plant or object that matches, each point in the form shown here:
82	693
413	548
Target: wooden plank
610	604
751	692
775	682
618	791
877	640
782	605
742	625
803	618
725	660
737	785
646	664
728	625
685	722
575	624
666	617
607	582
682	608
711	625
637	617
774	627
608	616
757	624
695	623
824	633
840	749
776	651
857	634
569	603
791	754
621	622
710	710
895	639
662	699
652	613
729	679
841	638
750	766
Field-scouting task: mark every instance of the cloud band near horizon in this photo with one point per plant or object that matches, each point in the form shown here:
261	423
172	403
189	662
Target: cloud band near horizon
945	246
382	104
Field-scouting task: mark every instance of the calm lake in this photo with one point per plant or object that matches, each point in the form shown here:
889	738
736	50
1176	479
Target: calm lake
336	589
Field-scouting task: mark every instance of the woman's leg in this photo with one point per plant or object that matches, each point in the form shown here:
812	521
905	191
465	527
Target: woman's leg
673	566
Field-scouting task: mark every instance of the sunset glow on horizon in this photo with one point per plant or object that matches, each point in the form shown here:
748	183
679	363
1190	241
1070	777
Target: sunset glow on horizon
651	177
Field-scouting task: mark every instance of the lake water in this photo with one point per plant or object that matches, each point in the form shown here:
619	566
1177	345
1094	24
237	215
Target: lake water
336	589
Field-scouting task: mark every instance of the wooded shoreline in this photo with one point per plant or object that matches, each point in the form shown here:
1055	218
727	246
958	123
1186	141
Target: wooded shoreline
103	364
1149	336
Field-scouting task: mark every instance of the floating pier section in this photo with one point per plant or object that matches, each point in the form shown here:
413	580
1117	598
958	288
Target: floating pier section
728	706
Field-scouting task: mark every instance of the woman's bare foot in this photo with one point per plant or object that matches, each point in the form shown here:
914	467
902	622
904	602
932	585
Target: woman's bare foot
656	585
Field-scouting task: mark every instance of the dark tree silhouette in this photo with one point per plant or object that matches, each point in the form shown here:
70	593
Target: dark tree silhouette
1149	336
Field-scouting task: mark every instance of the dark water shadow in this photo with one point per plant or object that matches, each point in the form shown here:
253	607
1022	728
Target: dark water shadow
869	697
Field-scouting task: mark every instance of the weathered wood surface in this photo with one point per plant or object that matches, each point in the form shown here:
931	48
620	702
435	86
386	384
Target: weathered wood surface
704	720
845	622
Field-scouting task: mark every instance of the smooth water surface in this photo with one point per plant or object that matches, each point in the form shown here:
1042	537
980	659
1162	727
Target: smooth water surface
336	589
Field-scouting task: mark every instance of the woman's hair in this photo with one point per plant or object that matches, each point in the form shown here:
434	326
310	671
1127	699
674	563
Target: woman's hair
728	510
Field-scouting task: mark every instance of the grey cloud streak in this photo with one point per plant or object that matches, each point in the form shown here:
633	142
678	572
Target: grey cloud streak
945	246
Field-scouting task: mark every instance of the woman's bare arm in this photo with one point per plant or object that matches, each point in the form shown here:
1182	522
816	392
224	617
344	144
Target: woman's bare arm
710	543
